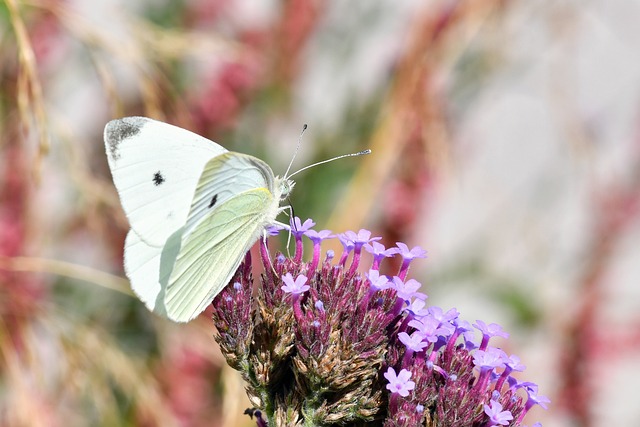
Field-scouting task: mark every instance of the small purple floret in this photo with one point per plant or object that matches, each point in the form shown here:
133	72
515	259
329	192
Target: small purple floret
400	383
295	287
413	342
379	252
496	415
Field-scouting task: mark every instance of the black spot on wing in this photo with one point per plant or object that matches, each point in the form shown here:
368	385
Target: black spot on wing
120	130
158	178
213	201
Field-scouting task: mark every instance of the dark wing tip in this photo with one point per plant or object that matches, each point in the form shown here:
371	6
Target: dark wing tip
117	131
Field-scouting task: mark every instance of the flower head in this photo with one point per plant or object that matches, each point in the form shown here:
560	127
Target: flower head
318	342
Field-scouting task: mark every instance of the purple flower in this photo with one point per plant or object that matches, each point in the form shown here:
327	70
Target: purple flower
318	236
513	362
379	252
443	317
366	330
274	229
417	307
360	238
377	281
407	290
407	256
487	361
354	241
496	415
296	287
461	327
400	383
489	331
470	341
428	327
298	228
492	329
347	245
414	341
410	254
491	358
534	398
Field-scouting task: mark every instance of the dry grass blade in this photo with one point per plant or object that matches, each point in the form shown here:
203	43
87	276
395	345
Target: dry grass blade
67	269
63	364
30	99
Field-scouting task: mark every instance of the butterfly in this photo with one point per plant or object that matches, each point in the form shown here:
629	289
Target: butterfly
194	209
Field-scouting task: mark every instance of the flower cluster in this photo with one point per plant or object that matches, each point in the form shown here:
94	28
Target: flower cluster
318	343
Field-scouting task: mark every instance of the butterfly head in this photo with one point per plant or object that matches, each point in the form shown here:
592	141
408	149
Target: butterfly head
286	185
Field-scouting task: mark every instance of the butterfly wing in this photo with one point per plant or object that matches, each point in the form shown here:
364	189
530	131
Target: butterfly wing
156	167
148	268
226	176
217	235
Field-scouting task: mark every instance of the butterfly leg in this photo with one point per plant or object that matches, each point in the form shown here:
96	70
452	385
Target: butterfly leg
264	252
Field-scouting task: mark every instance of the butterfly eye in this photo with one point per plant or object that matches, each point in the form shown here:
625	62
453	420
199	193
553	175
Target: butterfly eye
285	188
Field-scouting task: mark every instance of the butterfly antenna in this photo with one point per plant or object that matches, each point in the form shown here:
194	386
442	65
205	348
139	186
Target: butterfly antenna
295	153
359	153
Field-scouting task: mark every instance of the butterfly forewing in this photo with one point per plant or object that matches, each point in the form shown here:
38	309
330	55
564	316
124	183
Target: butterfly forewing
156	167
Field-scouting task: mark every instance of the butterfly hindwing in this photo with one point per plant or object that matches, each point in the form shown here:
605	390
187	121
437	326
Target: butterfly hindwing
211	253
149	267
156	167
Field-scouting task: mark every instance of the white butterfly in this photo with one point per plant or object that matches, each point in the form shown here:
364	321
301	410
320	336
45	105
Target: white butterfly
194	208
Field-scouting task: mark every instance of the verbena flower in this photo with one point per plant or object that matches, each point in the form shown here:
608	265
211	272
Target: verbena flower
295	287
320	344
399	383
496	415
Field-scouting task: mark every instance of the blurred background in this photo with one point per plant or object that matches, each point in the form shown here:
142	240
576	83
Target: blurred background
505	138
